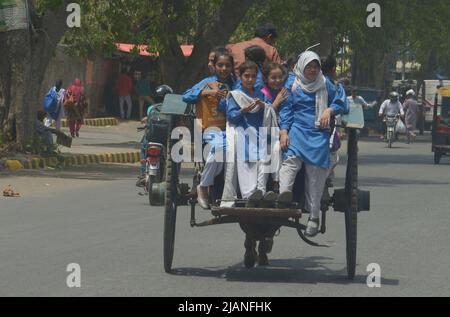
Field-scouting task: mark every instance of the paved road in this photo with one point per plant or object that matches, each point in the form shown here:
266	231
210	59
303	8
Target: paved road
93	216
110	139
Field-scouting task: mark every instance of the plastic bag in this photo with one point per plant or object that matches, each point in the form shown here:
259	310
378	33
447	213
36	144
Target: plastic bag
400	128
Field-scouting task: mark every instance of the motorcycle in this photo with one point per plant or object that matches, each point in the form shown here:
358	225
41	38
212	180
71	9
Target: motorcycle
154	151
391	124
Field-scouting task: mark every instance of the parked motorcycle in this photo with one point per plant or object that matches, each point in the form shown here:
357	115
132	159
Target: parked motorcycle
154	154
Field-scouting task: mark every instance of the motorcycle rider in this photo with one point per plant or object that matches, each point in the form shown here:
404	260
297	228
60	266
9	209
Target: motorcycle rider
161	91
391	108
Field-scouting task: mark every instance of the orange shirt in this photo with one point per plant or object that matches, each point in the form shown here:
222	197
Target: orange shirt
237	50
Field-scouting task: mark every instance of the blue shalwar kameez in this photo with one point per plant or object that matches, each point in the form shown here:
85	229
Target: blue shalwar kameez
308	144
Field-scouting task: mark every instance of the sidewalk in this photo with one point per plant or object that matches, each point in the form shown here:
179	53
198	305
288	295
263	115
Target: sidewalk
96	144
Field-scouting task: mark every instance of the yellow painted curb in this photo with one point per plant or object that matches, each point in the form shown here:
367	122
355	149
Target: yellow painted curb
96	122
69	160
13	165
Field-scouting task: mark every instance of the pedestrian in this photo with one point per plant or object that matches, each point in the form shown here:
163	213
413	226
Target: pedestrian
305	133
265	36
56	115
412	110
358	100
143	91
75	106
124	87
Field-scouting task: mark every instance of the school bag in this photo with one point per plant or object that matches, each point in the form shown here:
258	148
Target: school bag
51	101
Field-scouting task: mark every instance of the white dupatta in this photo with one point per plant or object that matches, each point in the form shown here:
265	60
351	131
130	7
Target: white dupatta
270	122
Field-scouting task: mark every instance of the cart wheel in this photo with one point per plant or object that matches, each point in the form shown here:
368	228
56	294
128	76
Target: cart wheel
170	214
437	157
351	211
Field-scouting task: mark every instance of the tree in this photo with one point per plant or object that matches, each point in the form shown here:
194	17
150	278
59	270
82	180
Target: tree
25	56
163	25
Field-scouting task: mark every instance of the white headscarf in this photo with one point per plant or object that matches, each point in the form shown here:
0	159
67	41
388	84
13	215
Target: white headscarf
299	70
318	86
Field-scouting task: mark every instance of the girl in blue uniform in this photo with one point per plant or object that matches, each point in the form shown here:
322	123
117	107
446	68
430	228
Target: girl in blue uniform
209	96
305	133
245	110
274	77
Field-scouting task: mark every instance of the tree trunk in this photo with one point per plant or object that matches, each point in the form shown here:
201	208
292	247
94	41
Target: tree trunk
181	73
326	37
25	56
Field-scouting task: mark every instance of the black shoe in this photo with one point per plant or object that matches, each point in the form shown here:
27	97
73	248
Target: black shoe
250	253
285	200
268	200
254	199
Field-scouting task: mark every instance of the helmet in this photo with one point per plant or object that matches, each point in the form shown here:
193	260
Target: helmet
163	90
394	96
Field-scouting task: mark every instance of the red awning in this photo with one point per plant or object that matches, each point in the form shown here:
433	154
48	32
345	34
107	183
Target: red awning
127	48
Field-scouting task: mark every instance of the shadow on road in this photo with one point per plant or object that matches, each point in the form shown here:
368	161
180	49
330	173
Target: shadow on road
311	270
131	145
395	182
99	172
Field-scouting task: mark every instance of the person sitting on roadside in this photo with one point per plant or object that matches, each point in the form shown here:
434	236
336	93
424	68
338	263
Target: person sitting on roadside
44	133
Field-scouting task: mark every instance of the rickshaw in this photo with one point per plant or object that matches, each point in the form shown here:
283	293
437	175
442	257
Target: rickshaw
349	200
441	124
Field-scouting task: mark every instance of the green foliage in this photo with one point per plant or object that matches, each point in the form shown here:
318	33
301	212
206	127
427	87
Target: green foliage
138	22
411	28
42	5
